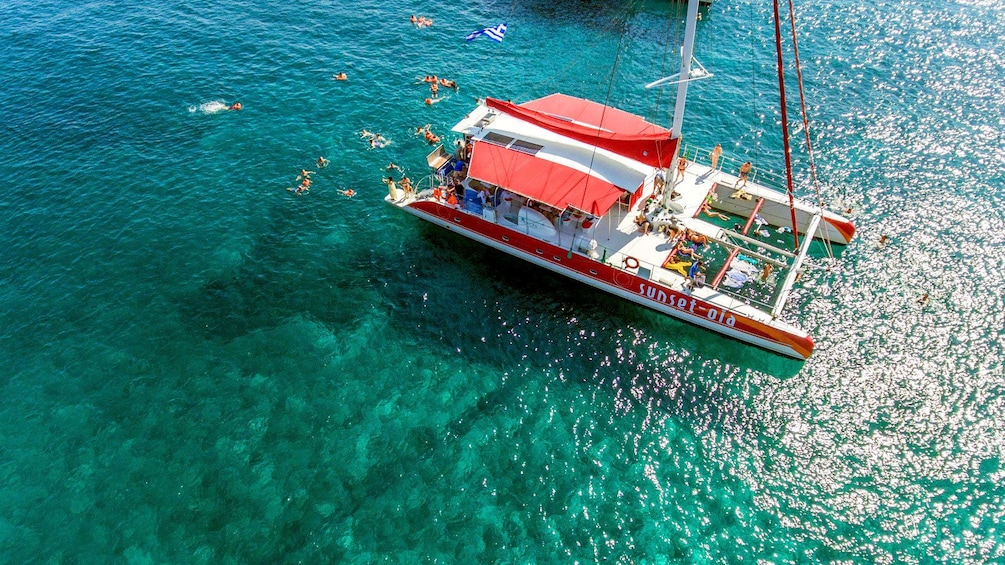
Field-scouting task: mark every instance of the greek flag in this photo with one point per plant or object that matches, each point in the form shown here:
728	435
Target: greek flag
495	33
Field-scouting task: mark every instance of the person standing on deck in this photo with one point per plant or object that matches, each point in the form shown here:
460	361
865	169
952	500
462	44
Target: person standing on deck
406	184
744	173
681	166
715	154
392	187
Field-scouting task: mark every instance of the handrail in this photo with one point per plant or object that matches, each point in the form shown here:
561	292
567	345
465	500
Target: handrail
762	177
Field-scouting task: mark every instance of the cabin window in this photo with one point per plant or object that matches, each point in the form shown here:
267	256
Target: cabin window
526	147
497	139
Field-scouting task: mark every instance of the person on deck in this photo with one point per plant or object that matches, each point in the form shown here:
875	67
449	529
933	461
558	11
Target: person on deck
643	222
392	187
706	208
715	154
659	182
744	174
681	167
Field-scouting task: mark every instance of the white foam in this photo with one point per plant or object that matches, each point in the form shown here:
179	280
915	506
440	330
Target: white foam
209	107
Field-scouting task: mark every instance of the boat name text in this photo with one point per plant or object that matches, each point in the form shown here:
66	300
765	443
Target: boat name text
685	304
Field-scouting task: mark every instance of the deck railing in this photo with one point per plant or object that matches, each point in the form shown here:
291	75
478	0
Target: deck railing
731	166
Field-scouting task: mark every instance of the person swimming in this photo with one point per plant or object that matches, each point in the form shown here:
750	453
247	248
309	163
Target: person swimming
322	162
235	106
348	193
341	76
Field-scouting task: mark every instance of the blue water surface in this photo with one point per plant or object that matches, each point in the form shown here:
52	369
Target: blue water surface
200	366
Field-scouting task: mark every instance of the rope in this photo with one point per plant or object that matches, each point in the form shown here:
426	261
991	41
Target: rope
806	121
785	124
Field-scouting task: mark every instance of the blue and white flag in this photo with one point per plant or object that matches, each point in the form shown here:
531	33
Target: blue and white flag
495	33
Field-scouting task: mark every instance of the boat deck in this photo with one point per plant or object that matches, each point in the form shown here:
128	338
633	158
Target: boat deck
619	241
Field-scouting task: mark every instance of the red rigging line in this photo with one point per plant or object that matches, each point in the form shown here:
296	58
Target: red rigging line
785	125
802	103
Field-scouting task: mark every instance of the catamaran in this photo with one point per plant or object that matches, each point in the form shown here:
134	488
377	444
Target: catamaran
608	199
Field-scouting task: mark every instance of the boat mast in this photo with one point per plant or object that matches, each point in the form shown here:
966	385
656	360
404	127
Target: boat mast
687	52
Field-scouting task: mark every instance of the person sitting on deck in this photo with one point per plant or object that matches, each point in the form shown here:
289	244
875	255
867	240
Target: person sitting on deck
695	276
643	222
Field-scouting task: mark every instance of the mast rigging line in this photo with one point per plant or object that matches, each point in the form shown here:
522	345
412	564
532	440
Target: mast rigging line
806	122
785	125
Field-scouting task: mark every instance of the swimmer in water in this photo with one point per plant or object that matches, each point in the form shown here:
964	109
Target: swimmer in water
348	193
923	300
341	76
304	174
322	162
235	106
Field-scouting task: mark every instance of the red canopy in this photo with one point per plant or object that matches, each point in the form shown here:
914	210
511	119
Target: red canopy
542	180
615	130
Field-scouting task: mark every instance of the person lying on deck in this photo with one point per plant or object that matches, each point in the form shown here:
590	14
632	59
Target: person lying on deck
706	208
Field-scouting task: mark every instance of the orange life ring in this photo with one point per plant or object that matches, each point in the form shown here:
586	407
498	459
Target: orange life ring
631	262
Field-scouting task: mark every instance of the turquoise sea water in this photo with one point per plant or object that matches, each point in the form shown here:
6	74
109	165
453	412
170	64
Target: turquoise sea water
201	367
